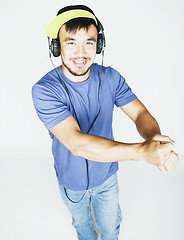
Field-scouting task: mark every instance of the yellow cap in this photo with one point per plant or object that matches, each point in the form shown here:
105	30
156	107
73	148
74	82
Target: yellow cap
58	21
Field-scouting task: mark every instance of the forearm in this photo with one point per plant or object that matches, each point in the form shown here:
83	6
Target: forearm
105	150
102	149
147	125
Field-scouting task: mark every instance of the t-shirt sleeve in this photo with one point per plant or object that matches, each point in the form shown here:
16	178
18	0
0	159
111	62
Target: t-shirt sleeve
49	106
123	92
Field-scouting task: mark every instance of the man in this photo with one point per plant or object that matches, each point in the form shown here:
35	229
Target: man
75	102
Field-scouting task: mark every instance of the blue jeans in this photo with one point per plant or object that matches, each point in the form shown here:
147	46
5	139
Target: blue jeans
106	209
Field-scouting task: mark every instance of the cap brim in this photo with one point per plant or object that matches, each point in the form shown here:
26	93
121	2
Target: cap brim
57	22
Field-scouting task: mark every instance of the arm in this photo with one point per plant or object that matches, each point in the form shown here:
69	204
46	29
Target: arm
149	129
93	147
145	123
100	149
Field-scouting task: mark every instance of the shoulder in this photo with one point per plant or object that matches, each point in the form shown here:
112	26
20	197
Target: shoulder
48	84
107	71
110	75
48	79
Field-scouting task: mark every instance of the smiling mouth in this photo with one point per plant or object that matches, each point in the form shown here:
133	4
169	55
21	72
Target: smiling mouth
80	62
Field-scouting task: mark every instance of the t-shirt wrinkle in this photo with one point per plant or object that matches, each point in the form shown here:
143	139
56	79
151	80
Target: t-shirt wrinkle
52	105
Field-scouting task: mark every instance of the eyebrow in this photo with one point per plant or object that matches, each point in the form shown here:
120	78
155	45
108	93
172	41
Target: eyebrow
73	39
69	39
91	39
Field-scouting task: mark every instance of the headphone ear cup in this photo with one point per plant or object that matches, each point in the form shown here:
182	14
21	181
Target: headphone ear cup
55	47
100	43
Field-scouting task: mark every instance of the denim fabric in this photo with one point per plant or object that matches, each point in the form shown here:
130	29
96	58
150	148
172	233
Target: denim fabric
106	210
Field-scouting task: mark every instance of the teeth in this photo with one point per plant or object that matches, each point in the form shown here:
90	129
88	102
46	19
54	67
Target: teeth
78	61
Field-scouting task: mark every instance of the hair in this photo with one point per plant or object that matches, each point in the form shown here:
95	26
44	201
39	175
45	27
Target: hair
76	24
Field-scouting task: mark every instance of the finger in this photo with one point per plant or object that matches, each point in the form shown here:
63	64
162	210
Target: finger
161	168
162	138
167	146
163	142
172	162
172	166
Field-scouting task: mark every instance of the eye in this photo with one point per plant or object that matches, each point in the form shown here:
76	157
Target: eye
89	42
71	43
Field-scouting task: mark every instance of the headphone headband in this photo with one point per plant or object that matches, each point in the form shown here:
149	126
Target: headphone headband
58	21
63	16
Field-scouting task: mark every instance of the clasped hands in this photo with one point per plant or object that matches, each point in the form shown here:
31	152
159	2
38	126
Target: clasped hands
158	150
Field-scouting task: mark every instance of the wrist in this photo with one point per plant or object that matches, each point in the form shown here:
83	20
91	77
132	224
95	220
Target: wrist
136	151
140	151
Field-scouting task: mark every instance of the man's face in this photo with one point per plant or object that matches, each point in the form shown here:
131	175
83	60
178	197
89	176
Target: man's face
78	51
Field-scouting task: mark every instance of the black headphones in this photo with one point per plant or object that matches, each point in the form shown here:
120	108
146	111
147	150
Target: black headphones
54	46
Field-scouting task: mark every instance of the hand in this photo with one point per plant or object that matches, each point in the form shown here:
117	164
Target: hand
158	151
171	163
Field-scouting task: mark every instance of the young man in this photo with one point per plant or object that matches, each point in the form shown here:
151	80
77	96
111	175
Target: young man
75	102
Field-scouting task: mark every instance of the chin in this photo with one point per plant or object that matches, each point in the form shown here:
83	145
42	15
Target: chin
80	71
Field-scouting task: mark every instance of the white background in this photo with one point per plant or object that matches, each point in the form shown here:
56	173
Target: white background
145	43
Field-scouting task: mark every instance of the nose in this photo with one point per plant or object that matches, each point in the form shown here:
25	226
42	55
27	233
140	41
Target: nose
80	50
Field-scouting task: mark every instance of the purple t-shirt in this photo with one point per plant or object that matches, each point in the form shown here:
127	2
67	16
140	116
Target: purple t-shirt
53	106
